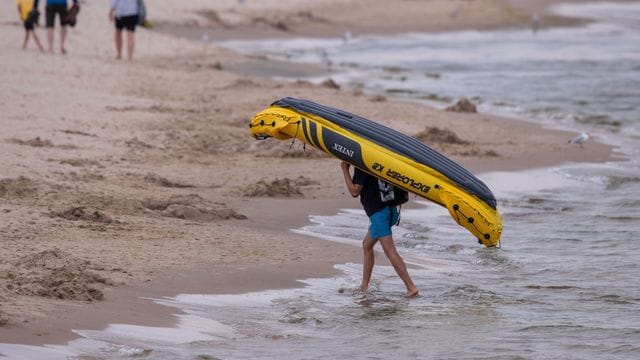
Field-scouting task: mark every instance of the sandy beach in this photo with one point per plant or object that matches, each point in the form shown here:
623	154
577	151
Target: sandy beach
122	181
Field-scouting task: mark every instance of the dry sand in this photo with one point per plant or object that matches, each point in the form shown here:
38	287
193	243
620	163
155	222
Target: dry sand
120	180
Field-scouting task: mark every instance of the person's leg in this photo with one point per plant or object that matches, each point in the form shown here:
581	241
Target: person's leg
63	37
26	39
118	38
50	17
130	44
63	12
369	259
50	39
389	247
37	40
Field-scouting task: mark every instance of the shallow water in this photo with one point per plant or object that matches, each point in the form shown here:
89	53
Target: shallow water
565	284
585	77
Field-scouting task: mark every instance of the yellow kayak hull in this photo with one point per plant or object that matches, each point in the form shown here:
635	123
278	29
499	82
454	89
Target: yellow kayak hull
386	154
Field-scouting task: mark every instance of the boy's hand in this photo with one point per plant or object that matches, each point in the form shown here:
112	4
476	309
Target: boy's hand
345	166
33	16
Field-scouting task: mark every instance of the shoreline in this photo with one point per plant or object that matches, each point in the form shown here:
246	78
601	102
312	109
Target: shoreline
330	19
275	271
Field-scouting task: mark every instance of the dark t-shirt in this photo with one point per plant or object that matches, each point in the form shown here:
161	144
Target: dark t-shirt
375	193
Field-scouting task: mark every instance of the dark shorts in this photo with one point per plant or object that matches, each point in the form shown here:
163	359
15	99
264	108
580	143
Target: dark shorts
52	10
28	25
127	22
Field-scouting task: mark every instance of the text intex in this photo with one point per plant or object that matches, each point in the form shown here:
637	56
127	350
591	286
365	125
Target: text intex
341	149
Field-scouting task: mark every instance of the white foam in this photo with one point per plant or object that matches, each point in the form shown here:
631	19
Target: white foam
189	328
47	352
604	11
505	183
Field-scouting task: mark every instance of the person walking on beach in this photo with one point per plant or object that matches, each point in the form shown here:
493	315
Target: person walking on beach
61	8
125	14
24	8
382	214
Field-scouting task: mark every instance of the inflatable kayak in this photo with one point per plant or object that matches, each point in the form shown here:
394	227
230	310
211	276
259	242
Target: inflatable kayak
389	155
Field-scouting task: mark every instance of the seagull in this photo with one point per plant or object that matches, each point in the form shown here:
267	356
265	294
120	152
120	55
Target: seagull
347	36
580	139
535	23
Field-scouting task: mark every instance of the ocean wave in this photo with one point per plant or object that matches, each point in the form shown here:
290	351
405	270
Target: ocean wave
495	258
616	299
551	327
551	287
471	294
616	182
414	236
620	218
598	120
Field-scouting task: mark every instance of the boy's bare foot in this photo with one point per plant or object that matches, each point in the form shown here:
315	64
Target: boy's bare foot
412	293
63	51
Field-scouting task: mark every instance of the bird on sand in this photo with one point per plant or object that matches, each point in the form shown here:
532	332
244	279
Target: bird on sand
580	139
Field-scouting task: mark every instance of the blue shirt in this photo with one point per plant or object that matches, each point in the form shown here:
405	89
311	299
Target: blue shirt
124	8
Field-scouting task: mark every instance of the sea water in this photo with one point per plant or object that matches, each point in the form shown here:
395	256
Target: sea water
564	285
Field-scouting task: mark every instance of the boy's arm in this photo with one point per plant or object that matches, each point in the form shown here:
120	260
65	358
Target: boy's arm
354	189
112	10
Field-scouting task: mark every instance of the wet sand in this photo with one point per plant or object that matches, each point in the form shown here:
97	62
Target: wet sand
121	181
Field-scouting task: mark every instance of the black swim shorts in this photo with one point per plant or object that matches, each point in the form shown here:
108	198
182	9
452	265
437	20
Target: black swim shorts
127	22
28	25
52	10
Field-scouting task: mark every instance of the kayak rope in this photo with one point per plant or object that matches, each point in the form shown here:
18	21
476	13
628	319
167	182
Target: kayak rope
295	136
262	123
469	219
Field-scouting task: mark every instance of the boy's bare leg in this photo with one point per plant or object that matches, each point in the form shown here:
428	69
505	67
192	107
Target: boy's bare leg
118	38
37	40
26	39
369	259
130	44
50	39
63	37
398	264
